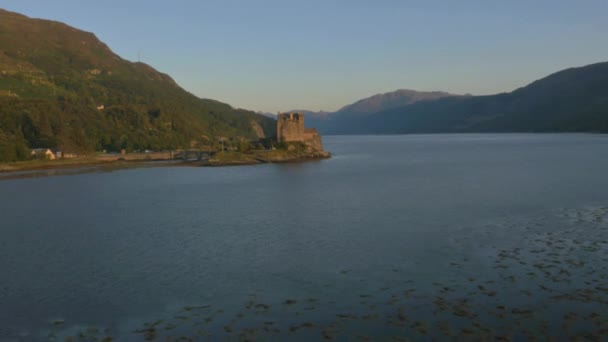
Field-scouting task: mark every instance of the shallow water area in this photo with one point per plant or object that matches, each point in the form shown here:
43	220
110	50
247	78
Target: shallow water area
425	236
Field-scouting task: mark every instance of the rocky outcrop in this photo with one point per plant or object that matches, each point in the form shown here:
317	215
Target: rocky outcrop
257	129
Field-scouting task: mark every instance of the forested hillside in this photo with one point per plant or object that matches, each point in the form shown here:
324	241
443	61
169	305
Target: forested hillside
63	88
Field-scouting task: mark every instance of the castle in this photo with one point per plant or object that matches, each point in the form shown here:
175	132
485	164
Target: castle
290	128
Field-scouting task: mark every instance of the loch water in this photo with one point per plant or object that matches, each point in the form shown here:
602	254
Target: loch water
417	236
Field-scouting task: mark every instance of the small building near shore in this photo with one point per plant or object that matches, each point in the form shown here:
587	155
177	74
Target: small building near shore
43	153
64	155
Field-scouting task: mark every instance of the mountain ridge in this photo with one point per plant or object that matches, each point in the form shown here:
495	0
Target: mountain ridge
370	105
570	100
389	100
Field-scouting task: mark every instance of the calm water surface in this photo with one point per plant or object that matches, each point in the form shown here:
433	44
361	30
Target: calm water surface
419	236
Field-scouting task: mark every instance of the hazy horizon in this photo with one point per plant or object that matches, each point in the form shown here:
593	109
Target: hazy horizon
273	55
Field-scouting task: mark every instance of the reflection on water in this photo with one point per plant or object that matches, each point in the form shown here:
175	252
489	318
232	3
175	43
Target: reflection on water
418	237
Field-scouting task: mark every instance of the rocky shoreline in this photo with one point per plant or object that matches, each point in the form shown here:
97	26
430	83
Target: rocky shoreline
258	159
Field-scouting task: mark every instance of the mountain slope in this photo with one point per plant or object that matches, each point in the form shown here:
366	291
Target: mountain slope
572	100
338	121
62	87
386	101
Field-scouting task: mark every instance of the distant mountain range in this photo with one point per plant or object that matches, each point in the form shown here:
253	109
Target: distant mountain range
386	101
572	100
310	115
329	122
61	87
367	106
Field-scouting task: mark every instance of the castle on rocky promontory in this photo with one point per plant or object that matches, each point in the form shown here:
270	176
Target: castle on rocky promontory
290	128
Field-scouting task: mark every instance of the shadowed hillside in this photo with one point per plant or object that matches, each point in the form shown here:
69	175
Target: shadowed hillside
62	87
572	100
338	122
386	101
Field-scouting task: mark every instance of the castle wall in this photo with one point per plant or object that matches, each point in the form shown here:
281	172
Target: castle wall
313	139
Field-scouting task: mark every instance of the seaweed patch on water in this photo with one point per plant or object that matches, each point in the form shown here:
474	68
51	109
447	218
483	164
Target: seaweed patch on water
538	278
62	332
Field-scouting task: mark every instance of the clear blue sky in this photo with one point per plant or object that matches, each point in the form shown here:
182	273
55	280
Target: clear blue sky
322	54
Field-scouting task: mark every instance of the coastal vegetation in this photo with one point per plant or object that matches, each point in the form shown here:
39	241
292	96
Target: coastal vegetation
63	88
236	153
42	164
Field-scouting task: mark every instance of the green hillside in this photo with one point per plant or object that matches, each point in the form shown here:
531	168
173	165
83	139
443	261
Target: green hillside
63	88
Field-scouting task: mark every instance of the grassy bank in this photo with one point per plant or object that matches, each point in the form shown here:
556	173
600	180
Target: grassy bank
42	164
228	158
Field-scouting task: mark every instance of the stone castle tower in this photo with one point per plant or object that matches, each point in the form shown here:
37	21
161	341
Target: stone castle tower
290	128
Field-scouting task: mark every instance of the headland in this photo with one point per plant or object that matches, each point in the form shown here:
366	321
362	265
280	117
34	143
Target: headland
292	143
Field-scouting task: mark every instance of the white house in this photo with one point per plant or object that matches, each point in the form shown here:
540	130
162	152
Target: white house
43	153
